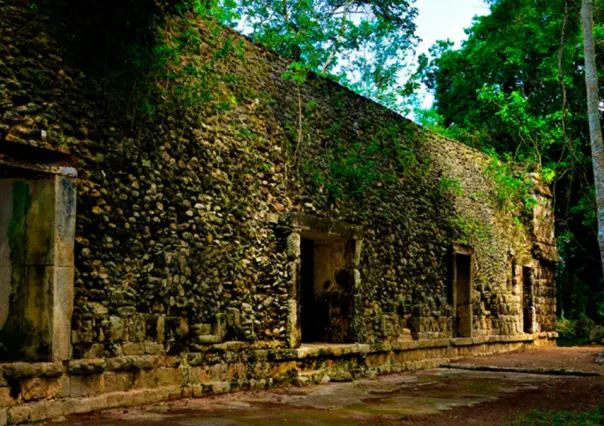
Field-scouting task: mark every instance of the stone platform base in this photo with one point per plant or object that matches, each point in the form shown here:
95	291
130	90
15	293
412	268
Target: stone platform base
31	392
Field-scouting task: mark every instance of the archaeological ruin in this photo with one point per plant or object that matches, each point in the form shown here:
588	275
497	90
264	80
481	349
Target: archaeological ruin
190	221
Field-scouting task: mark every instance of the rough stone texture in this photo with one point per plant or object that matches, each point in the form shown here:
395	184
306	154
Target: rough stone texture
182	226
215	371
188	232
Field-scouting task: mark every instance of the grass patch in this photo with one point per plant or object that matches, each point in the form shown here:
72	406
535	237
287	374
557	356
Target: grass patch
562	418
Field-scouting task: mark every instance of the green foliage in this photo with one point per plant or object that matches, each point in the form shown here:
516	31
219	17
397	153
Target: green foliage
517	86
510	187
470	230
363	44
585	208
297	72
535	134
593	417
451	186
574	332
363	167
173	71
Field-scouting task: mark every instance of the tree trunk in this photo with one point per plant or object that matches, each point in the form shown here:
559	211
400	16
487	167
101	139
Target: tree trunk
593	112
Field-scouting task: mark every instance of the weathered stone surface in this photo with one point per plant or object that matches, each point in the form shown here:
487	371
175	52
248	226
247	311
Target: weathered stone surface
19	414
162	237
89	366
87	385
38	267
119	382
186	236
153	348
32	389
6	400
131	348
22	370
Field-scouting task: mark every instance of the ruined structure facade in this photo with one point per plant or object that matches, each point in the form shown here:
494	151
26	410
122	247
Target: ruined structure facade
222	227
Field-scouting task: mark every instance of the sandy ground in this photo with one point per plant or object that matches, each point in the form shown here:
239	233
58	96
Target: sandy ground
433	397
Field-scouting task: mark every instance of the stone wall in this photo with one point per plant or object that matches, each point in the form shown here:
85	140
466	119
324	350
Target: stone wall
196	158
32	392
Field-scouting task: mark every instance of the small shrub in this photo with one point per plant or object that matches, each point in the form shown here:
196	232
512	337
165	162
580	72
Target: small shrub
574	332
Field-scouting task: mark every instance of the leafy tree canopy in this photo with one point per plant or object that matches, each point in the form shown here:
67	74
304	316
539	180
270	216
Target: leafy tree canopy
362	43
517	85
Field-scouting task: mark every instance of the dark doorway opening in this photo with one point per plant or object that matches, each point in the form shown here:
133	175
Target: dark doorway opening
527	299
326	288
308	314
463	292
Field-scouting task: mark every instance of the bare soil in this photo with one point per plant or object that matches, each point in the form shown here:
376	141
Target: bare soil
580	358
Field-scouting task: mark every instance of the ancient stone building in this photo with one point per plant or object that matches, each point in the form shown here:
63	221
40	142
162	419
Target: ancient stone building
189	220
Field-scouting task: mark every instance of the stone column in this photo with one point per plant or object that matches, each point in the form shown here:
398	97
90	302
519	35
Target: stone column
37	232
294	251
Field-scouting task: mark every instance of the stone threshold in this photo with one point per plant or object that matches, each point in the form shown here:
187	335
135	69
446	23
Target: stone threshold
20	370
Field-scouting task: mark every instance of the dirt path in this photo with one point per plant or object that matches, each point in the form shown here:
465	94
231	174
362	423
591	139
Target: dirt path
433	397
581	358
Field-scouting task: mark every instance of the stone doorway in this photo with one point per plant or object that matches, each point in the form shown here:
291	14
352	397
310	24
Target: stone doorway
462	291
326	277
528	307
37	232
326	284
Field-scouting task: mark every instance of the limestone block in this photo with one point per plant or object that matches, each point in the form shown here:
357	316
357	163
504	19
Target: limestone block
294	336
120	399
137	329
158	377
87	385
171	377
119	381
153	348
59	387
86	366
62	310
39	411
293	245
199	375
233	317
19	414
221	387
6	400
23	370
35	388
117	331
40	234
126	311
95	351
65	217
132	348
